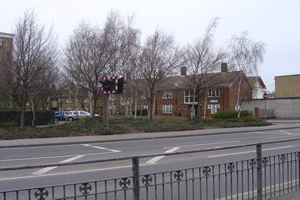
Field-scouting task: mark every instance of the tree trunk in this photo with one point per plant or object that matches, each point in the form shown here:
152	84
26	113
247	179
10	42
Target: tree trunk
22	117
135	105
33	113
205	105
238	97
94	108
198	108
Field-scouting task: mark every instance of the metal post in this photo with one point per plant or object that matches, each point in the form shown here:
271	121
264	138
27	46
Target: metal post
265	110
136	178
107	110
259	171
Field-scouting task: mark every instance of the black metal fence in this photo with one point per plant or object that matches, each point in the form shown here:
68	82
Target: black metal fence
255	178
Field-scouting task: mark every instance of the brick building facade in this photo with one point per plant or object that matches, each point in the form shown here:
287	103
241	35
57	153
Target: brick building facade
6	48
175	96
287	86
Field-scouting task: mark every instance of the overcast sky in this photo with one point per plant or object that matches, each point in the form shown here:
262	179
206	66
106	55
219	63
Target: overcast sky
274	22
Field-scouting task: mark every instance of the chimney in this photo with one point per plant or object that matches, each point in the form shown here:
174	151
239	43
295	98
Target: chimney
224	67
183	71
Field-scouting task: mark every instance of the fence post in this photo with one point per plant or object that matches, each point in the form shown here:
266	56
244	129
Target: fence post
259	171
136	177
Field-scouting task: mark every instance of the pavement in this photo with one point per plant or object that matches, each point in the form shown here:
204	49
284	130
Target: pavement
276	124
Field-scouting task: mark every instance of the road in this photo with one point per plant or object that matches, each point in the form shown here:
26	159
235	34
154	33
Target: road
10	157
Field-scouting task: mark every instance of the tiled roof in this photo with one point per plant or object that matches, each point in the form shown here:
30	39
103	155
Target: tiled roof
221	80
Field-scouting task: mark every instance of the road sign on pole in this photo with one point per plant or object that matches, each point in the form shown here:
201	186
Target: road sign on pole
265	98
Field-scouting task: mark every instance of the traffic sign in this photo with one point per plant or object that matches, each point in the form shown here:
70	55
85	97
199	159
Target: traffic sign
265	95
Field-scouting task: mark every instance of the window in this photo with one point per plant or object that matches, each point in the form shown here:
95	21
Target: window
1	42
68	100
167	95
167	109
145	106
213	108
215	92
189	97
143	96
124	101
86	100
112	109
112	97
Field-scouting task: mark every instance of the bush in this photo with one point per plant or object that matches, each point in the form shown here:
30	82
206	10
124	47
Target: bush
13	117
245	114
138	112
228	114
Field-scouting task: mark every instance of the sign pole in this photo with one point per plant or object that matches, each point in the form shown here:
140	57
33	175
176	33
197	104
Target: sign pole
107	110
265	110
265	97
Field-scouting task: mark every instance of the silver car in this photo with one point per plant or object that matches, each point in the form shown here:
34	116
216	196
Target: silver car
72	115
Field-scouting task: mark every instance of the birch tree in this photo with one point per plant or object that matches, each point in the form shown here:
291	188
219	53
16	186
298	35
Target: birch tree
246	55
201	59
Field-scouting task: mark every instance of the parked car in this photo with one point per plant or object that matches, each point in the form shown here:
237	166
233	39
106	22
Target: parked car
71	115
59	115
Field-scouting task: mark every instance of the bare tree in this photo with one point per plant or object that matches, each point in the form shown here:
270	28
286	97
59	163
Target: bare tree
129	53
201	59
246	55
159	58
34	61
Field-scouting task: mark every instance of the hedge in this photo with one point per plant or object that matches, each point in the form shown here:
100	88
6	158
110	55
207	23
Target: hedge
230	114
12	117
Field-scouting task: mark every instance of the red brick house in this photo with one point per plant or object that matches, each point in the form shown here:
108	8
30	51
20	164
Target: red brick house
175	96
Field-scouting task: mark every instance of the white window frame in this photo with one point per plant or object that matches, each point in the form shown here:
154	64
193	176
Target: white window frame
213	108
167	109
123	102
112	97
189	96
112	109
167	95
143	96
68	100
145	106
213	92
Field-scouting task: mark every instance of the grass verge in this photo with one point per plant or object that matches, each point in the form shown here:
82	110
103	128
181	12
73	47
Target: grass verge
117	126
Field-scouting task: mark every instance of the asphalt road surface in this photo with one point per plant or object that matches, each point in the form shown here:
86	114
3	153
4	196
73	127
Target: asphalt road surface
23	156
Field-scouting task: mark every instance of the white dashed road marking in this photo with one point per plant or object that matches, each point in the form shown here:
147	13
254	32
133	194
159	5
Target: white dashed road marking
102	148
47	169
157	158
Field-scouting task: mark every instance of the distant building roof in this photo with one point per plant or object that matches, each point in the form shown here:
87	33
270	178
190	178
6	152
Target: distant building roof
7	35
253	79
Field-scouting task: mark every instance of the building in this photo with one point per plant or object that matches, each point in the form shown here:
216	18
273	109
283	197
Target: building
259	88
287	86
63	100
6	48
176	97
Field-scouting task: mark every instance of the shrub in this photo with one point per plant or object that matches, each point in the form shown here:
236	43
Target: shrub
228	114
41	117
245	114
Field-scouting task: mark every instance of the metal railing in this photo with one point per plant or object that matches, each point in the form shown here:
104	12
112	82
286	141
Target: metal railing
255	178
